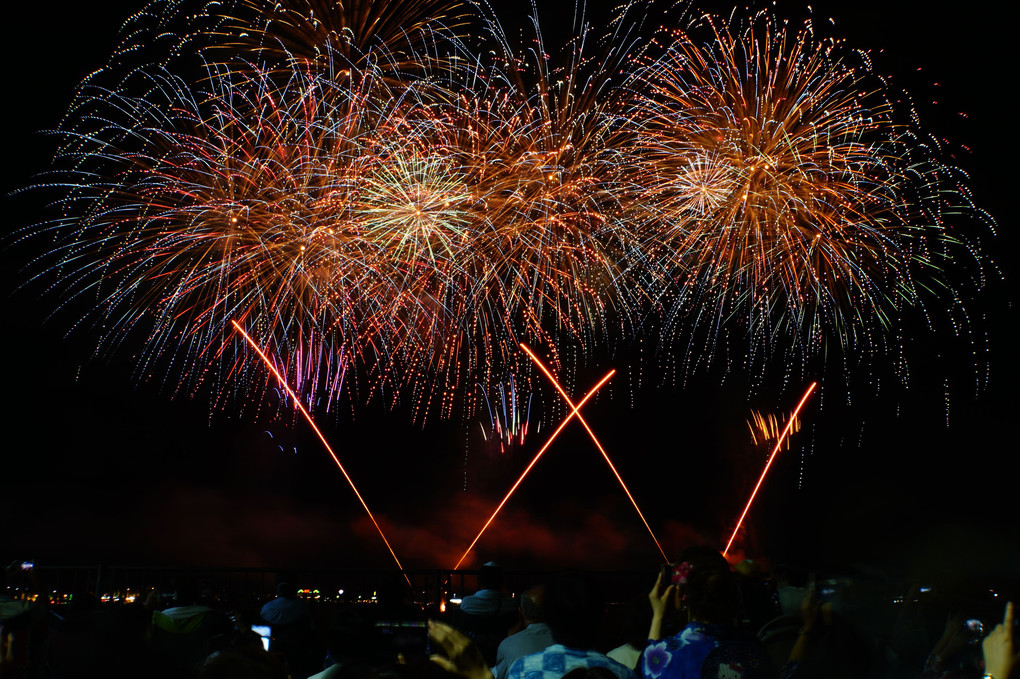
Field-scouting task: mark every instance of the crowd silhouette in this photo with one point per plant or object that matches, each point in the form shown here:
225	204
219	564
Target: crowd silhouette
703	618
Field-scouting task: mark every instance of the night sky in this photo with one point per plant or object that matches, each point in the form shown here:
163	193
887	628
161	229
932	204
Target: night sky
97	467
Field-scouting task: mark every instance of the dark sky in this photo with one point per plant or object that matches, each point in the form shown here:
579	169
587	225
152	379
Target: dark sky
97	467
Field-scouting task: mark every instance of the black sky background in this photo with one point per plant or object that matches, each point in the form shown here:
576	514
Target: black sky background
97	467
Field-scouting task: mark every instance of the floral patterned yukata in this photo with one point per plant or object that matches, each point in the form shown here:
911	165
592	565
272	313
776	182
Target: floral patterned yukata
681	656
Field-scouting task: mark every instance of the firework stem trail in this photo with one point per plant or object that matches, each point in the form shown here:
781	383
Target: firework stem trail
772	456
574	412
325	443
598	445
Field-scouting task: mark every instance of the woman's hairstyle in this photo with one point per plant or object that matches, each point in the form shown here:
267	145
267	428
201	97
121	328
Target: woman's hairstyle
708	588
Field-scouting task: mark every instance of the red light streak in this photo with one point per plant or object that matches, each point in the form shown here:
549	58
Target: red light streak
772	456
598	445
329	449
539	454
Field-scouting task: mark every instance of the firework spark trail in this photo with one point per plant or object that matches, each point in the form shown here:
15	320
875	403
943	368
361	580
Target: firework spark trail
598	445
575	411
509	420
300	406
765	428
772	456
394	34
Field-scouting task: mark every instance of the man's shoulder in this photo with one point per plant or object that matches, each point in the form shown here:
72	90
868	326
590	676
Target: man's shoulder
536	630
532	639
281	610
484	595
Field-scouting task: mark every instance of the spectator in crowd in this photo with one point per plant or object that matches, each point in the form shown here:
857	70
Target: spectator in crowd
830	643
955	655
352	644
185	634
489	600
636	619
574	612
286	608
293	629
705	591
186	608
486	615
756	595
533	638
242	633
791	586
81	638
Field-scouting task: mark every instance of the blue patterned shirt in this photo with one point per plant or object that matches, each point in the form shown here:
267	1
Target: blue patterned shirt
557	660
680	656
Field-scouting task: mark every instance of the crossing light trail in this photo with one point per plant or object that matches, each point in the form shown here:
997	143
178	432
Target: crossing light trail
598	445
574	412
325	443
772	456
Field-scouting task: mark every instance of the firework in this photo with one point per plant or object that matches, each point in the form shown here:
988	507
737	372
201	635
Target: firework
398	36
378	210
779	194
334	38
535	137
417	238
240	201
765	428
510	417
